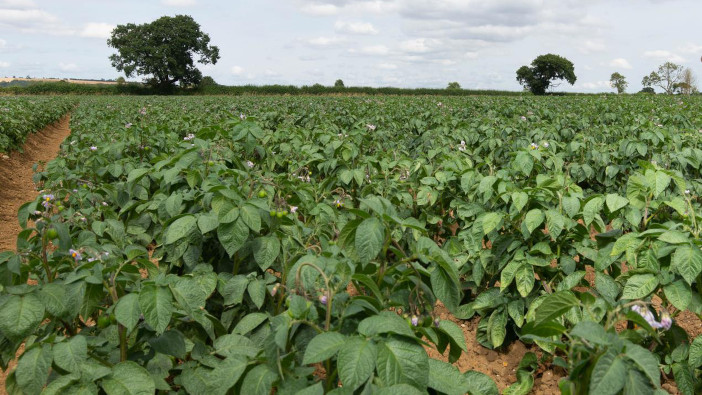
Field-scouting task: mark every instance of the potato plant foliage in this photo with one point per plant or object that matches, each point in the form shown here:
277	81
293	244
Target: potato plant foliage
221	245
20	116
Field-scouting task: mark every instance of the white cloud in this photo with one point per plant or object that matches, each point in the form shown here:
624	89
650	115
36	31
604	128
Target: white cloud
387	66
664	55
271	73
67	66
378	50
471	55
590	46
237	70
621	63
320	9
17	4
690	48
3	43
419	45
355	27
97	30
4	64
25	18
179	3
596	85
325	42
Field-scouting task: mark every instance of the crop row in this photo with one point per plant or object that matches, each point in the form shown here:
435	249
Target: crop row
20	116
211	245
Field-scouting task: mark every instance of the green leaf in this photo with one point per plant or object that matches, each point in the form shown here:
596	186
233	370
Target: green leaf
524	278
445	287
571	205
385	322
21	315
555	305
524	384
687	261
258	381
606	286
207	222
266	250
497	327
33	369
480	383
679	294
180	228
397	389
533	219
129	378
127	311
639	286
592	209
609	374
227	374
233	235
257	292
683	378
519	199
490	222
249	323
508	272
645	361
69	355
445	378
323	346
356	362
156	303
251	217
53	295
638	384
171	342
370	236
402	361
674	237
615	202
455	333
695	357
662	182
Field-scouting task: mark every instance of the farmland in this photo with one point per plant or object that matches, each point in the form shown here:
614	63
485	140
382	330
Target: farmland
214	245
20	116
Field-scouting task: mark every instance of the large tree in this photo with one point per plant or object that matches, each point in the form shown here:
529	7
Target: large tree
544	70
162	51
667	77
618	82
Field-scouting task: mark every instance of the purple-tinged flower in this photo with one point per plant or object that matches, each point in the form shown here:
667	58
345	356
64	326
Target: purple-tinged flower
249	164
275	289
128	125
462	146
93	148
533	146
293	209
189	137
105	204
523	118
37	212
339	203
439	104
436	322
687	192
142	111
242	117
370	127
666	320
75	254
546	144
323	299
48	197
415	320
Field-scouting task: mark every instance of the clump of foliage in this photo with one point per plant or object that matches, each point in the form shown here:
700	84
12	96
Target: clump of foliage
667	77
453	85
618	82
544	70
162	51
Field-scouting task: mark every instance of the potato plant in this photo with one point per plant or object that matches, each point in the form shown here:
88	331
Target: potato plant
219	245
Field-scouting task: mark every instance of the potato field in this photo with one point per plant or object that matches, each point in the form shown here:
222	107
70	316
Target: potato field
305	245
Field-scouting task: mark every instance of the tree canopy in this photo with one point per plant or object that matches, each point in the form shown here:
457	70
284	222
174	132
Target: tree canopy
667	77
162	50
544	70
339	83
618	82
453	85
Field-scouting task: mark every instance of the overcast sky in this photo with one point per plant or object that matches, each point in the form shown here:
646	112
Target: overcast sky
406	43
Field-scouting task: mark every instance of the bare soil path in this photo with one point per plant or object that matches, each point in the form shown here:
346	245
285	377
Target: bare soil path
17	187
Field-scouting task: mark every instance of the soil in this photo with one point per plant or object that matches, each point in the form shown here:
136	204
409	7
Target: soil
17	187
71	80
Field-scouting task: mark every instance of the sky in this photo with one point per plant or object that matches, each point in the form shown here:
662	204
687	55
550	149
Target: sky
402	43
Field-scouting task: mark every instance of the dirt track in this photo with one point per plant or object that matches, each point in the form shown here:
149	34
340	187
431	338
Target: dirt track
17	187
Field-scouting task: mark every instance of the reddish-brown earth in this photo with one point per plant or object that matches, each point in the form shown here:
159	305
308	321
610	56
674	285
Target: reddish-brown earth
17	187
